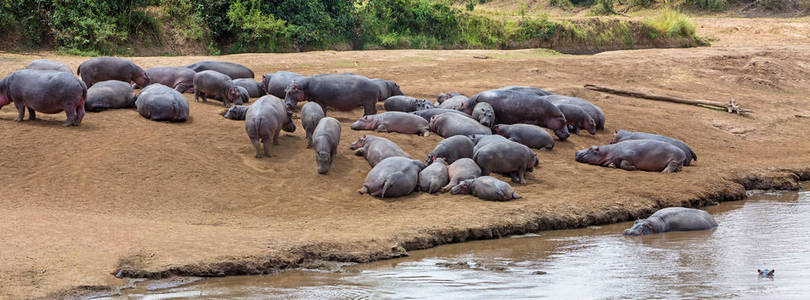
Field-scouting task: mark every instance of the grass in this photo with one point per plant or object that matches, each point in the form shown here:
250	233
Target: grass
670	23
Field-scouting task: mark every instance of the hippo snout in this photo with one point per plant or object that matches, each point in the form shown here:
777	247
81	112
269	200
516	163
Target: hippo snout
631	232
579	156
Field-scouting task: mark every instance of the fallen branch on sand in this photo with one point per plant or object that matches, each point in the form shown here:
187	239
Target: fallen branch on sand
731	106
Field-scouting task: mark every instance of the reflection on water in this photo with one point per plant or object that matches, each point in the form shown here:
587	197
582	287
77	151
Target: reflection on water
769	230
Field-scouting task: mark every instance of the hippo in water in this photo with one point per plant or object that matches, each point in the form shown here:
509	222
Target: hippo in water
444	96
530	135
624	135
110	94
340	91
178	78
673	219
47	92
461	170
577	118
487	188
219	86
48	65
765	273
406	104
311	114
393	121
645	155
452	149
325	141
513	107
375	149
434	177
264	120
387	88
233	70
427	114
393	177
158	102
111	68
484	114
253	87
596	113
508	158
450	124
236	112
276	83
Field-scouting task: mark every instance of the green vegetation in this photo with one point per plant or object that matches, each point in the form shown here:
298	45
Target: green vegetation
670	24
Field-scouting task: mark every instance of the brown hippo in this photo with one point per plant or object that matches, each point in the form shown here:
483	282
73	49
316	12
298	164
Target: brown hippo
624	135
47	92
530	135
513	107
434	177
375	148
178	78
645	155
233	70
48	65
111	68
460	170
487	188
393	121
452	149
264	120
325	141
340	91
450	124
217	85
673	219
393	177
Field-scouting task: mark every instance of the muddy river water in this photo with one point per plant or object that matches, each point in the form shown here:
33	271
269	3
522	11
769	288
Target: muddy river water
770	230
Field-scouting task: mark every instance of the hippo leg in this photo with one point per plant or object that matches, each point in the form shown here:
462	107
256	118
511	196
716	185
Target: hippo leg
485	172
70	111
20	111
573	129
368	109
275	138
359	152
196	95
425	133
79	115
626	165
449	186
363	190
381	128
258	149
672	167
267	149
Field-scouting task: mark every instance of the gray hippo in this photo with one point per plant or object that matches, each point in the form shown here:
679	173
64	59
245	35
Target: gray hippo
276	83
434	177
387	88
645	155
460	103
481	140
233	70
577	118
450	124
325	141
512	107
593	110
253	87
393	121
158	102
484	113
441	97
526	89
530	135
427	114
178	78
765	273
48	65
406	104
673	219
452	149
624	135
311	114
393	177
111	68
340	91
214	84
264	120
487	188
236	112
508	158
47	92
461	170
110	94
375	149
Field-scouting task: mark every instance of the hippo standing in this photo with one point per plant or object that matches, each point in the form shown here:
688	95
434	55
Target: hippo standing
158	102
393	177
178	78
110	94
48	65
577	118
264	120
526	89
387	88
325	141
530	135
512	107
276	83
253	87
236	112
645	155
215	84
487	188
673	219
624	135
484	113
406	104
460	103
311	114
452	149
393	121
444	96
428	114
508	158
593	110
375	149
434	177
47	92
340	91
461	170
449	124
481	140
111	68
233	70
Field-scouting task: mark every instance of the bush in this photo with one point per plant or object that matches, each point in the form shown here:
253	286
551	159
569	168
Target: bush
707	4
255	30
541	29
670	23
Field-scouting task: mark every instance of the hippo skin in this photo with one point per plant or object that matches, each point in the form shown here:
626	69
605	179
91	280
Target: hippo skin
393	121
487	188
110	94
387	88
596	113
233	70
624	135
481	140
461	170
441	97
236	112
48	65
673	219
450	124
645	155
158	102
765	273
483	113
178	78
427	114
47	92
254	88
393	177
276	83
526	89
218	86
434	177
452	149
311	114
508	158
340	91
406	104
513	107
375	149
111	68
325	140
530	135
264	120
459	103
577	118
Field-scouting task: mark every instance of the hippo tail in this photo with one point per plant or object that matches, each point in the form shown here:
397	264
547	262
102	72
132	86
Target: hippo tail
79	70
694	156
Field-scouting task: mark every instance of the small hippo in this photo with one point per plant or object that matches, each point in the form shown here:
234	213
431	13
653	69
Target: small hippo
376	148
233	70
406	104
452	149
645	155
178	78
110	94
158	102
765	273
624	135
577	118
532	136
387	88
434	177
481	140
673	219
48	65
311	114
111	68
484	114
444	96
514	107
596	113
276	83
459	103
47	92
508	158
325	141
215	84
236	112
254	88
427	114
450	124
393	121
393	177
461	170
264	120
487	188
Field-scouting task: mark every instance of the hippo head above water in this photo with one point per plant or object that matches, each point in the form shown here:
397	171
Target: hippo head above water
641	227
359	143
593	155
365	123
294	93
765	273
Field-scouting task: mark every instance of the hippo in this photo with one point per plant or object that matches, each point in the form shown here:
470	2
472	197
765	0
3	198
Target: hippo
178	78
450	124
673	219
624	135
452	149
325	141
487	188
508	158
375	149
215	84
512	107
253	87
158	102
110	94
484	114
44	91
530	135
264	120
233	70
765	273
387	88
444	96
48	65
593	110
340	91
236	112
111	68
645	155
311	114
460	170
393	177
577	118
481	140
393	121
526	89
434	177
276	83
460	103
427	114
406	104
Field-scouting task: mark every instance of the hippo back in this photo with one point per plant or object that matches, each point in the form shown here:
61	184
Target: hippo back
162	103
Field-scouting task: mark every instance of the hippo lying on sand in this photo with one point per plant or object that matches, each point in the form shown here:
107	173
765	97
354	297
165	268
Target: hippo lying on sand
596	113
375	149
427	114
110	94
444	96
158	102
47	92
461	170
111	68
178	78
406	104
452	149
434	177
645	155
450	124
513	107
393	177
577	118
673	219
530	135
393	121
487	188
484	114
233	70
624	135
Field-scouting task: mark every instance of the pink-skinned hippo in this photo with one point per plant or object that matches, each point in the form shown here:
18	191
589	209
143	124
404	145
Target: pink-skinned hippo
387	88
111	68
532	136
514	107
217	85
311	114
645	155
393	177
624	135
376	148
452	149
158	102
231	69
340	91
508	158
264	120
178	78
110	94
48	65
47	92
450	124
673	219
577	118
325	141
434	177
393	121
461	170
487	188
